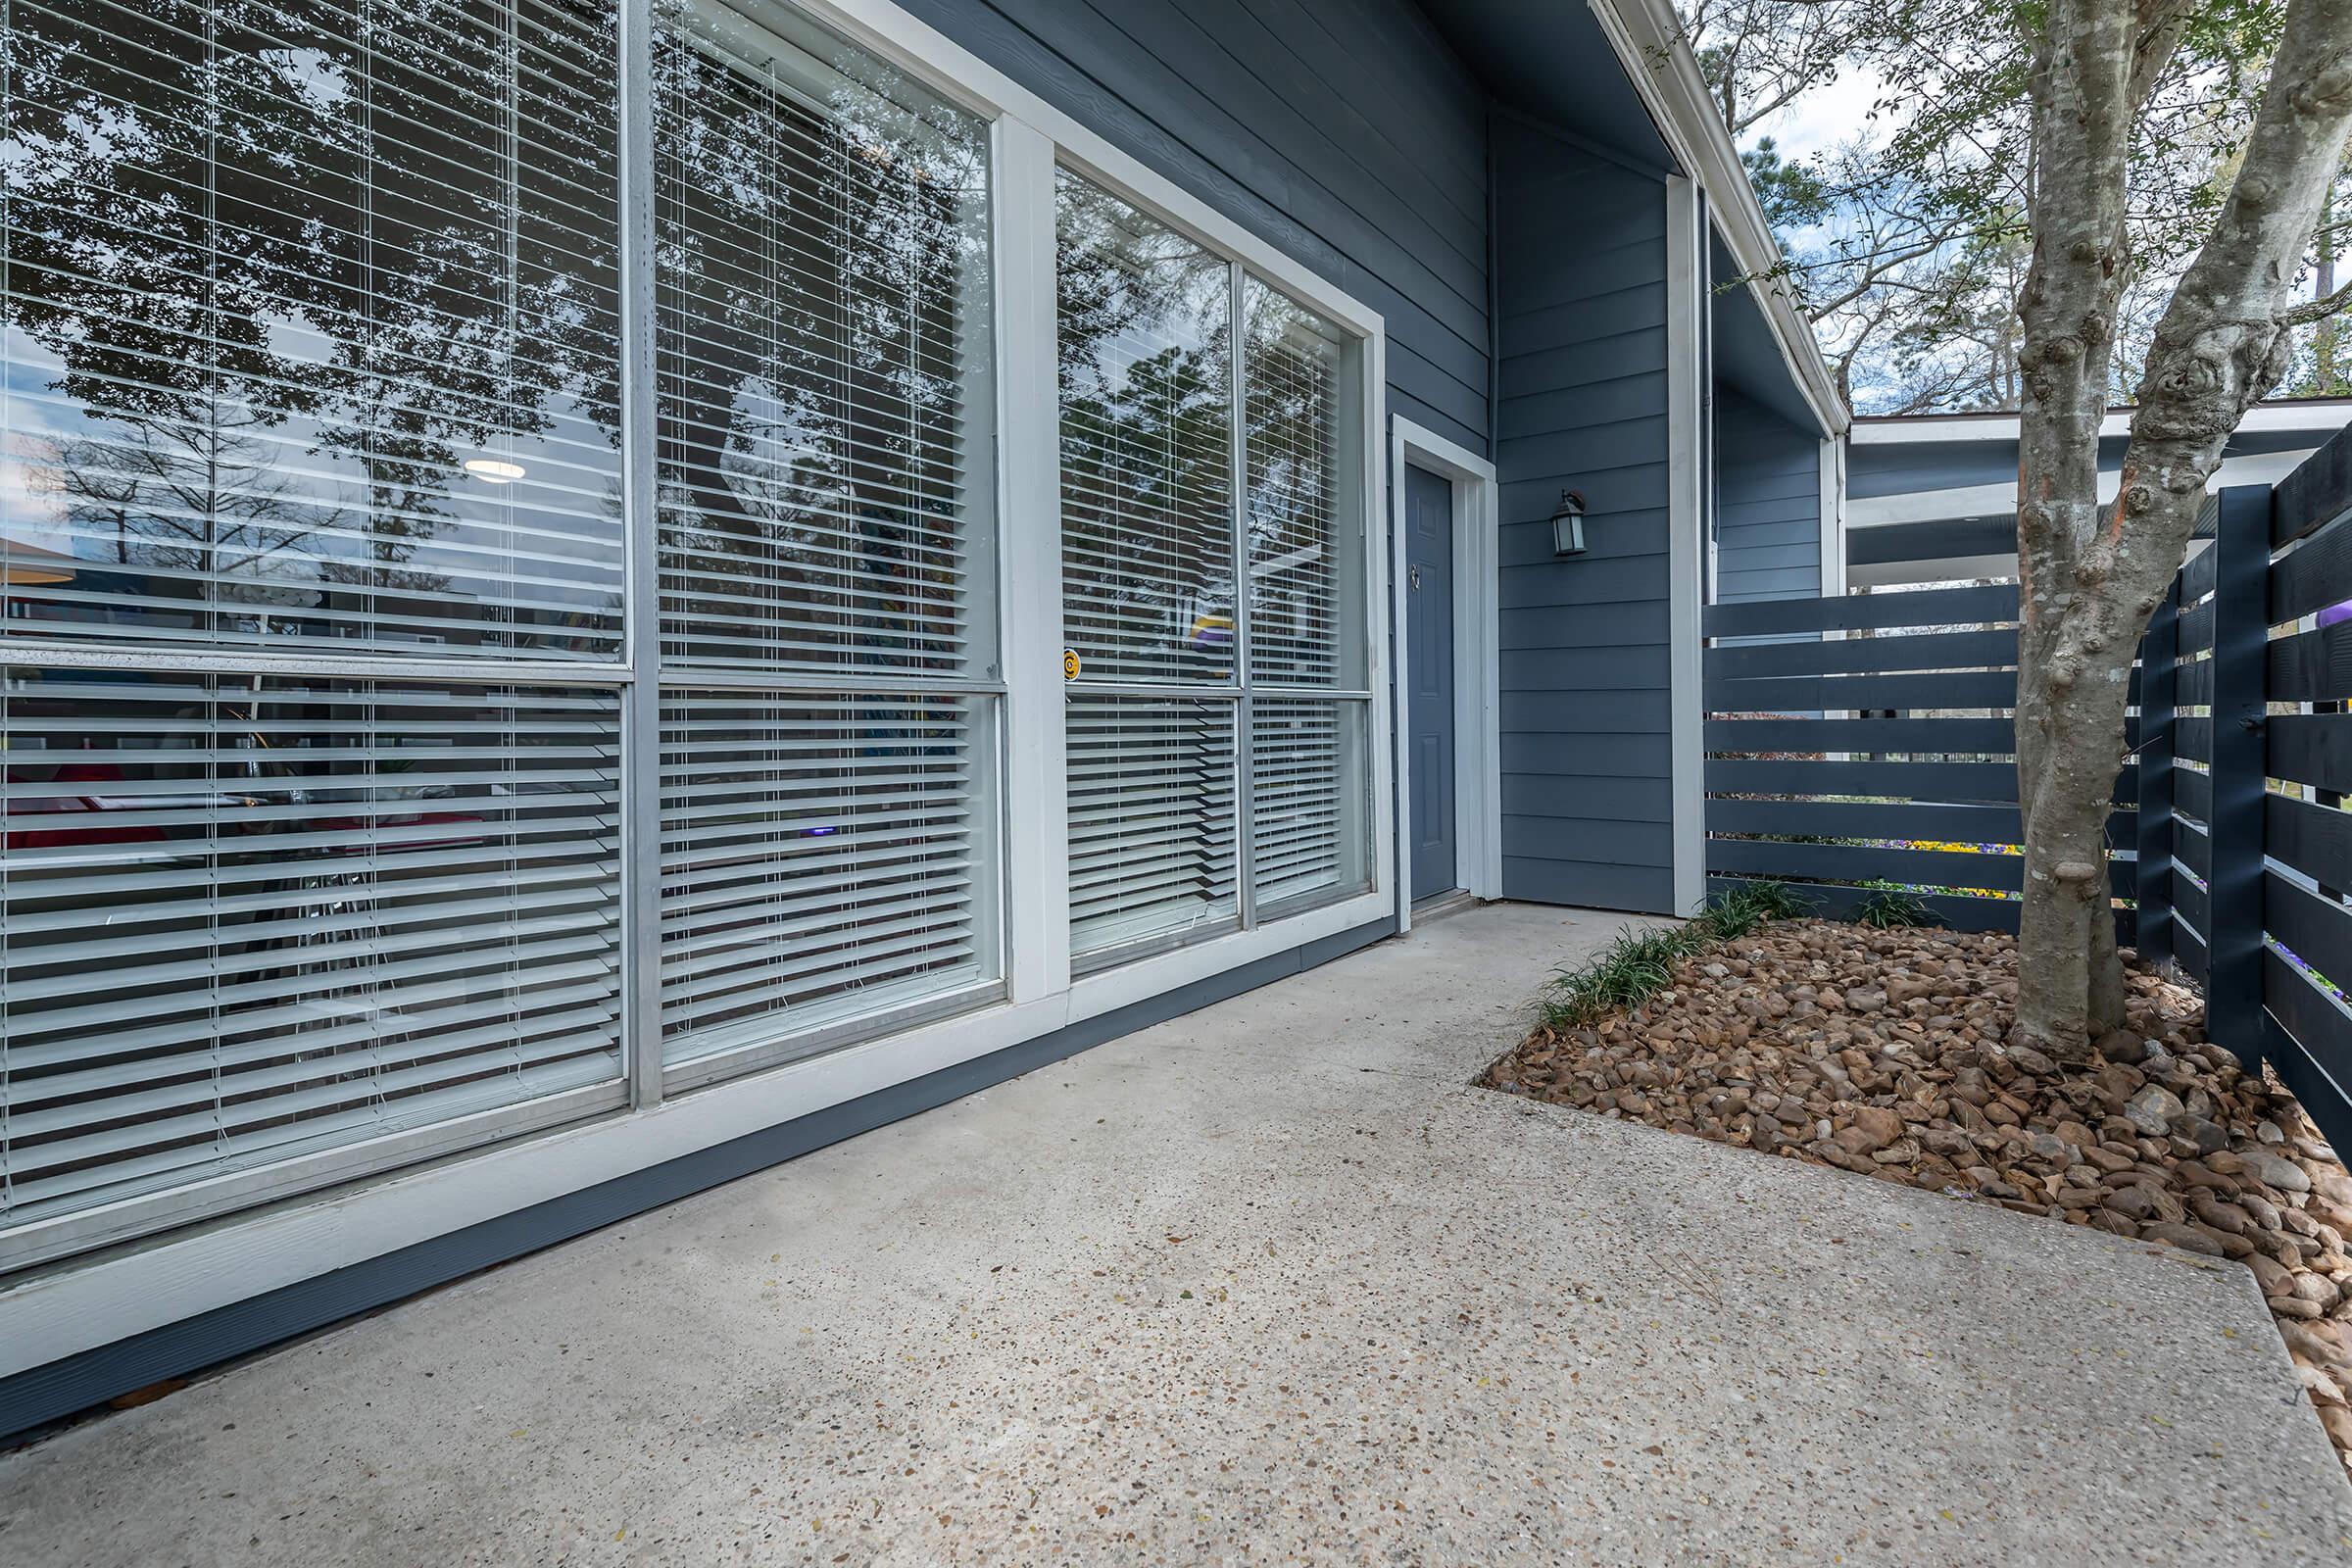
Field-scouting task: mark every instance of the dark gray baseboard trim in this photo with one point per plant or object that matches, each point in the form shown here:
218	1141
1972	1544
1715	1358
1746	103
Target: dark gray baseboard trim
41	1395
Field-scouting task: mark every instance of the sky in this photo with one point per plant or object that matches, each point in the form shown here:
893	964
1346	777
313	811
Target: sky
1824	117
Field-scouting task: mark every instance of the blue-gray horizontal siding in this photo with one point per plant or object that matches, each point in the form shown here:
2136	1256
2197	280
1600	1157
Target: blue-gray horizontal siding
1767	503
1581	340
1347	133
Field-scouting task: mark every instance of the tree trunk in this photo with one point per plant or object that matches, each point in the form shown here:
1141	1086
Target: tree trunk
2090	575
2070	697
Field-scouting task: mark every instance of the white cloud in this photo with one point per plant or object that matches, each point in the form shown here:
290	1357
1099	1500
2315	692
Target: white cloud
28	503
1836	111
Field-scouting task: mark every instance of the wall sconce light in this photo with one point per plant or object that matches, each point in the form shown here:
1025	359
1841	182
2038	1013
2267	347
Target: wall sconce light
1568	524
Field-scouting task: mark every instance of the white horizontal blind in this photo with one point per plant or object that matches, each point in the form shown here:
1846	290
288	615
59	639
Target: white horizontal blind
1152	806
1306	588
244	918
1152	525
1147	438
1309	798
825	442
825	434
313	324
1148	544
1310	817
819	858
314	320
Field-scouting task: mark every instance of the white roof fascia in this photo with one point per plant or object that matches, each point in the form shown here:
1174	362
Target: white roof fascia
1919	428
1658	59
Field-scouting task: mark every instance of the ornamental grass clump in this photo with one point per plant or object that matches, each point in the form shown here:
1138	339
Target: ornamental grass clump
1638	965
1889	906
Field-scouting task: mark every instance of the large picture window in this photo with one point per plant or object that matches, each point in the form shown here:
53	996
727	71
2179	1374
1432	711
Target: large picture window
1148	555
827	548
502	555
1243	784
309	326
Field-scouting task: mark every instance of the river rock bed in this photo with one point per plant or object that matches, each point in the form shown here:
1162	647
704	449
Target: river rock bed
1880	1051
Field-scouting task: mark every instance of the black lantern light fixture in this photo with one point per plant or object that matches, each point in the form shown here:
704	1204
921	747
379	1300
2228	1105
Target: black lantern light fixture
1568	524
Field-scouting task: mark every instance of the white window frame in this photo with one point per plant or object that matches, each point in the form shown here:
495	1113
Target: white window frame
616	674
1477	654
1031	139
1243	688
388	1199
654	1076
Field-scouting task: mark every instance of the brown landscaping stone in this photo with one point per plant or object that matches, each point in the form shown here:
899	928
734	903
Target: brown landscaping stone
2188	1238
2275	1279
2338	1422
1879	1051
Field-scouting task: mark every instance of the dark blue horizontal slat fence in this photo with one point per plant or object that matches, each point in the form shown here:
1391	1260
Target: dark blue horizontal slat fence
1864	744
1861	745
2286	836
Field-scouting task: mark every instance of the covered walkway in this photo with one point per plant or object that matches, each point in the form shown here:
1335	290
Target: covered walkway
1266	1284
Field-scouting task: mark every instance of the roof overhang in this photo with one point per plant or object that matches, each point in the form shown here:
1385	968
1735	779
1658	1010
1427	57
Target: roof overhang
1649	44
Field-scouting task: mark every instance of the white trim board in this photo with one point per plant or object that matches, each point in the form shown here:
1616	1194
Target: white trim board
1832	518
1477	658
1379	592
1687	529
1036	844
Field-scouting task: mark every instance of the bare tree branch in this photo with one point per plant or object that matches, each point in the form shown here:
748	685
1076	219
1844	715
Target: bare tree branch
2318	310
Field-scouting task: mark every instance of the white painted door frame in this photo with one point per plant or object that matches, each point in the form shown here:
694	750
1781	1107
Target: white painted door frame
1477	659
1686	313
1832	518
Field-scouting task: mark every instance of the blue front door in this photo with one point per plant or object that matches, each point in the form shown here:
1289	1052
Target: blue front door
1429	643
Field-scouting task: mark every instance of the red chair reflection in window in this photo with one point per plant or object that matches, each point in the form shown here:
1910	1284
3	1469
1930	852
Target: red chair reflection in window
79	818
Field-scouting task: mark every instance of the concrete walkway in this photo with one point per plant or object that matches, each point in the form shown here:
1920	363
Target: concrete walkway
1267	1283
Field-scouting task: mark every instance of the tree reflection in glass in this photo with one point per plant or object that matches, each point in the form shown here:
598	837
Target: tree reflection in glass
1147	436
284	285
1300	419
826	427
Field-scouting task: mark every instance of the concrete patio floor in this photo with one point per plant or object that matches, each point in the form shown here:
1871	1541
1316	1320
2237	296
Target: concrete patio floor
1267	1283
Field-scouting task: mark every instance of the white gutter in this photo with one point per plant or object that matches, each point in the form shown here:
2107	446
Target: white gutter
1999	499
2318	416
1650	45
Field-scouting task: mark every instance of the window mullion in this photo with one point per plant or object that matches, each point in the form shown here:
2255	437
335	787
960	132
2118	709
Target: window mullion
641	606
1244	781
1037	859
